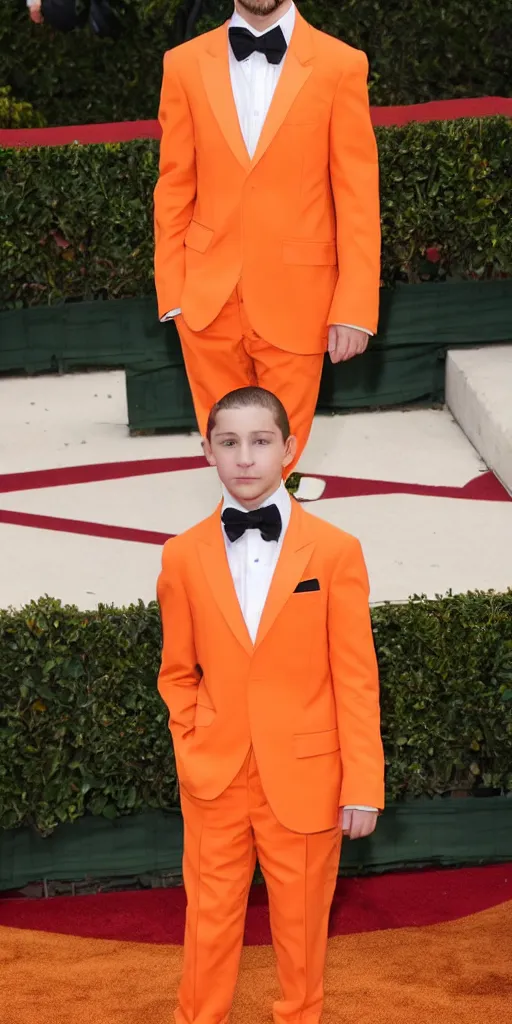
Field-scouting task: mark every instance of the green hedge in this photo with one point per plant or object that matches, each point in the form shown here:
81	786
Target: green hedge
14	114
83	730
419	50
77	220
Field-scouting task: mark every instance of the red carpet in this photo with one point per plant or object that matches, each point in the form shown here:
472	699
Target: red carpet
360	905
432	948
125	131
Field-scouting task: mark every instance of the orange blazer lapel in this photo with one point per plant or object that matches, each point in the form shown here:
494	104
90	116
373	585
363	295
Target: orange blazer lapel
212	554
295	554
214	64
295	73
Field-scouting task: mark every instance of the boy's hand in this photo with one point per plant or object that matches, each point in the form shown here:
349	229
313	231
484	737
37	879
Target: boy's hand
357	824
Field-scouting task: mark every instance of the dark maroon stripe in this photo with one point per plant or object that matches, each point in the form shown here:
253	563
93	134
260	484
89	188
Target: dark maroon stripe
485	487
37	522
96	472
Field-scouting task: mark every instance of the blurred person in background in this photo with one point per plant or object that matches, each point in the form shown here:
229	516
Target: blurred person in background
67	15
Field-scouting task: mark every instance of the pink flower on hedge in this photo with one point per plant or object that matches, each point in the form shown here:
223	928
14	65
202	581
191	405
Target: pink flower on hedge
433	254
59	239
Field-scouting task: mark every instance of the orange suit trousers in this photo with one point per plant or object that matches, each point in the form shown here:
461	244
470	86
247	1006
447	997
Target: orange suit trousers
229	354
223	837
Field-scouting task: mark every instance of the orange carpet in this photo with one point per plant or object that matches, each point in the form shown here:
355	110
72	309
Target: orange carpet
456	971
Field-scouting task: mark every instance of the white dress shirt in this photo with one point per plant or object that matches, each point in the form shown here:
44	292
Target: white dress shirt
254	82
252	562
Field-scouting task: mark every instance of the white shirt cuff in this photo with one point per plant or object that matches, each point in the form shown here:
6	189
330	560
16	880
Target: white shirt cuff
355	328
359	807
170	315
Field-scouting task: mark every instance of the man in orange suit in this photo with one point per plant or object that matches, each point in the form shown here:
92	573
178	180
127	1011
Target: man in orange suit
267	208
270	676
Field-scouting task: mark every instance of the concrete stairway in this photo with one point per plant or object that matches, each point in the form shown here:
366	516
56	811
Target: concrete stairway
479	396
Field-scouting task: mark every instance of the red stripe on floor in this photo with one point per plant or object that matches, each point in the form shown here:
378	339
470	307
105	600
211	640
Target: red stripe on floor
78	526
360	905
485	487
96	472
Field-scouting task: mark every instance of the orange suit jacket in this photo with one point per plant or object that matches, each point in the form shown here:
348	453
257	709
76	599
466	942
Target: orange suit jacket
299	223
305	695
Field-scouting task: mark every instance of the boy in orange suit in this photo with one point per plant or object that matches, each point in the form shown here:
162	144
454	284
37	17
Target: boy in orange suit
270	676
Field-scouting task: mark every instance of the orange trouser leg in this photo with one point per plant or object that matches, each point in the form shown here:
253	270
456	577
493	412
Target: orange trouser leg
218	866
300	871
295	379
215	360
229	354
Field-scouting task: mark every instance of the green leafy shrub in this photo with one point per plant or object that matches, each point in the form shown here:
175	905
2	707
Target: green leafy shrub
419	50
14	114
84	731
77	78
77	220
82	727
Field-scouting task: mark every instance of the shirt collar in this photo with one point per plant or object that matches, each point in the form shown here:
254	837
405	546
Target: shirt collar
281	498
286	24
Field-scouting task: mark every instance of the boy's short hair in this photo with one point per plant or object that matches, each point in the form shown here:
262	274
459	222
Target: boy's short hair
242	398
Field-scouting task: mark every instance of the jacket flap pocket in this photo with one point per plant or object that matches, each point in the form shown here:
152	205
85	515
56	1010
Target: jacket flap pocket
198	236
310	254
309	744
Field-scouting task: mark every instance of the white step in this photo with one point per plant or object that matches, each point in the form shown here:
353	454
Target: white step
479	396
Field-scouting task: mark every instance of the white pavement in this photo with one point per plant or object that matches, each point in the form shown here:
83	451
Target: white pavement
426	542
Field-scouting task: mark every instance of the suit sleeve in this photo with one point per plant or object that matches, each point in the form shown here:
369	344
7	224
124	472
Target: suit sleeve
354	171
179	674
175	190
356	682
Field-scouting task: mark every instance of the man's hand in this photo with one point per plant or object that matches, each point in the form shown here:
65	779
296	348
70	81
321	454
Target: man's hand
357	824
35	12
345	343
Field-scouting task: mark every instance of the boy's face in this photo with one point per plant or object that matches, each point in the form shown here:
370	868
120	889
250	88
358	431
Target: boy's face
249	453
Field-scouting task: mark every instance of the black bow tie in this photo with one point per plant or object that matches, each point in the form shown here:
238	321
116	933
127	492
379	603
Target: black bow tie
267	520
272	44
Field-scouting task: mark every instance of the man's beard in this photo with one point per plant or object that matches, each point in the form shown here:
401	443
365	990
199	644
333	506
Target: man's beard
260	7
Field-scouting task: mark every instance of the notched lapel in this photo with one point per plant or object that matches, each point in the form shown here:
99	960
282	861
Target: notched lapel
295	555
214	64
212	554
294	75
296	71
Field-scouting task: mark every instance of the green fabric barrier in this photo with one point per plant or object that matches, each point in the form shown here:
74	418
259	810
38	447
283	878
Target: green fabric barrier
426	832
85	335
404	363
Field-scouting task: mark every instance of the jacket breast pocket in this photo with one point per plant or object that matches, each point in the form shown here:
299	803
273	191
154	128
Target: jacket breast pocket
308	587
310	254
198	236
